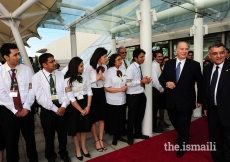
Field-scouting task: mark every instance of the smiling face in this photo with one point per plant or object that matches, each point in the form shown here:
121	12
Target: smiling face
123	53
217	55
140	59
118	62
13	59
159	57
182	50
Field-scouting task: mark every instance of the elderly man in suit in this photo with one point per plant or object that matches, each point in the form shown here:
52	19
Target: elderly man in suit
216	80
179	77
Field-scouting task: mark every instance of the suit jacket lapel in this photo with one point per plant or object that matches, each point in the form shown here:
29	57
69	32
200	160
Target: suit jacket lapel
185	69
223	75
208	77
173	66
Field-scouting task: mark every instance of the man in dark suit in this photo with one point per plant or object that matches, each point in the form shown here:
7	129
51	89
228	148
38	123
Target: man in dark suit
216	80
179	77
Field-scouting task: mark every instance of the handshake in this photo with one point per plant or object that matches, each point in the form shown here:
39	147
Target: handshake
146	80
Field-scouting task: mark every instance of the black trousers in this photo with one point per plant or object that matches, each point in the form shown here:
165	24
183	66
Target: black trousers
2	141
219	134
181	121
156	98
136	111
51	122
11	126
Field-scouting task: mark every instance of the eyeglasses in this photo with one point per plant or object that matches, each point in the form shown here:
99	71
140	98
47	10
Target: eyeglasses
123	52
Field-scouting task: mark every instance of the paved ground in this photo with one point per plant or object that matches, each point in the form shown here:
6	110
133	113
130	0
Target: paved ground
40	144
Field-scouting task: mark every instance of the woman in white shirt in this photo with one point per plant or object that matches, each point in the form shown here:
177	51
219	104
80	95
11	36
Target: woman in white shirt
115	87
79	93
96	70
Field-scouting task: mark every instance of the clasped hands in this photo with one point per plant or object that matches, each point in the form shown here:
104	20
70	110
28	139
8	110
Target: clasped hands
60	111
22	113
99	76
146	80
85	111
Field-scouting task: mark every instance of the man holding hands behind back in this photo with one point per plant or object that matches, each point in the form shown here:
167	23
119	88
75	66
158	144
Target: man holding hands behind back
179	77
216	80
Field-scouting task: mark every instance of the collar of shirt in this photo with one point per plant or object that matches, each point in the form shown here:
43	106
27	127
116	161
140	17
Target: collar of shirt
8	69
220	66
47	74
136	64
156	62
182	62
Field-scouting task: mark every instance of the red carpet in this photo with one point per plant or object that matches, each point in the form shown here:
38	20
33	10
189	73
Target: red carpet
152	150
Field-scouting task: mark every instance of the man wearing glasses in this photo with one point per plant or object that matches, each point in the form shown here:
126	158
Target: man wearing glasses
123	53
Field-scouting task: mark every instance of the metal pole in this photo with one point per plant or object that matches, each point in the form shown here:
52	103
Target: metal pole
113	43
146	45
198	51
73	42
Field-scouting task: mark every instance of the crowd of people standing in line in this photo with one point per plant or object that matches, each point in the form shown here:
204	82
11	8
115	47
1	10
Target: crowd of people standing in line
73	103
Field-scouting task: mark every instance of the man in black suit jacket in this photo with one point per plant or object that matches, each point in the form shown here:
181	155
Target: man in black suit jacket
179	77
216	80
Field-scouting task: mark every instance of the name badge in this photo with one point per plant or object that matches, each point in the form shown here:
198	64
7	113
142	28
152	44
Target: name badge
13	93
54	97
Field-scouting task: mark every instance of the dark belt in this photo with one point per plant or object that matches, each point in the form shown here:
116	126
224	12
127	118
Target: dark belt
134	94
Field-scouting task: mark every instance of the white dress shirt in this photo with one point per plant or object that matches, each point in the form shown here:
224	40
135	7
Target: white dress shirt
219	72
156	72
181	65
113	81
127	63
41	88
92	76
133	80
24	78
83	88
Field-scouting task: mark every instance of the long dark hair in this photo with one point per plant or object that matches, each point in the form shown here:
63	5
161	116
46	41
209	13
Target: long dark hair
112	59
72	72
100	51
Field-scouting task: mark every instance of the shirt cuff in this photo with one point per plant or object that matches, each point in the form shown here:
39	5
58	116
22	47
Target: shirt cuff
72	99
27	106
54	108
14	111
64	105
89	93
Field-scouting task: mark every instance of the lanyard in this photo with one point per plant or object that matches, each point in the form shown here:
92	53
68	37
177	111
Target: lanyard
10	78
48	80
138	70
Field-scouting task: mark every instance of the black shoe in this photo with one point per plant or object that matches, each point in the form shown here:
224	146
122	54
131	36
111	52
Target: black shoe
79	158
162	125
66	159
179	154
166	124
51	160
142	137
130	141
157	129
114	140
86	155
122	139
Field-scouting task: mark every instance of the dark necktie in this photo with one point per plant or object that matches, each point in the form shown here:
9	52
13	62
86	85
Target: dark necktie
53	89
143	85
213	86
178	71
126	66
17	100
160	68
100	68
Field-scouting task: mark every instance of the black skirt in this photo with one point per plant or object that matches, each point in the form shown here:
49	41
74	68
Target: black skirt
116	119
98	105
77	122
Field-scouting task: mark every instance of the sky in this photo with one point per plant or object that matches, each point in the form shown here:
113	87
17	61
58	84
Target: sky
48	36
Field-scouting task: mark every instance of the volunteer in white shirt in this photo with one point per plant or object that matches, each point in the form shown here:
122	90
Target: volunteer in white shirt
136	99
122	51
48	86
96	71
16	98
79	93
116	97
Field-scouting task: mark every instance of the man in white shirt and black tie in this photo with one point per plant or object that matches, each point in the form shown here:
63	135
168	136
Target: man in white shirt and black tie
122	52
48	86
16	98
216	79
136	99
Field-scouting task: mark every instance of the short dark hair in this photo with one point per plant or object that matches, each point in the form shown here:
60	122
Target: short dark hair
44	58
227	50
73	69
166	57
216	44
157	51
207	61
98	53
5	49
112	59
191	52
137	52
